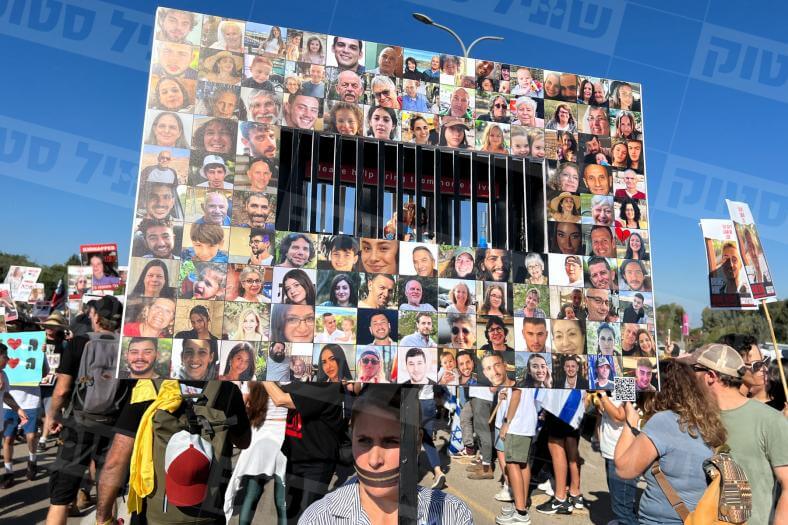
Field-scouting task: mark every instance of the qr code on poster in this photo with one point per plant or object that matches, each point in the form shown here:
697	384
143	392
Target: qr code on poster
624	389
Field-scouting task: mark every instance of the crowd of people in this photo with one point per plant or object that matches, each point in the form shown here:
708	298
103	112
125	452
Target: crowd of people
330	447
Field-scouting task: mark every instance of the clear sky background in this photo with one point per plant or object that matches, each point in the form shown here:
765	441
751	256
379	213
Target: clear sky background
714	75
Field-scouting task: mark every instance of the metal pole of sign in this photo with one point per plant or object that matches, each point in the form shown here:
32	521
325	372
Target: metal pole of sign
359	186
337	184
524	219
410	445
313	180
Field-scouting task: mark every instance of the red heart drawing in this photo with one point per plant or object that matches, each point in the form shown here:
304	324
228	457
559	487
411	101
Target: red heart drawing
622	234
14	343
13	362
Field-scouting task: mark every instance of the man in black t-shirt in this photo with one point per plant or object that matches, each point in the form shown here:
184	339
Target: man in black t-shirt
315	427
84	442
116	467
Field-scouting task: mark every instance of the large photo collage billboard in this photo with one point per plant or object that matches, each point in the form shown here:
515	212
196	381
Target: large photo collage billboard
216	292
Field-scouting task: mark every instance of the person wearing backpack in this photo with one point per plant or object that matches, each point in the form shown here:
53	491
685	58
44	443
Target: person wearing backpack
174	442
86	385
757	434
682	429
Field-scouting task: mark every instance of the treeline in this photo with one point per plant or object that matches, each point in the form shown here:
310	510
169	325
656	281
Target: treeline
50	275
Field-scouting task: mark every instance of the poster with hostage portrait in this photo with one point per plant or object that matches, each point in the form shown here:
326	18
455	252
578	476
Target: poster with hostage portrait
753	256
232	288
20	280
728	284
103	262
25	357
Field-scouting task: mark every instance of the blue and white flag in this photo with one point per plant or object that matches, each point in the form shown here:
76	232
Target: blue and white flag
566	405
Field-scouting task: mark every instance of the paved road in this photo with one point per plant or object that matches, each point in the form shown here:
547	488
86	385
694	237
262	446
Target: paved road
27	501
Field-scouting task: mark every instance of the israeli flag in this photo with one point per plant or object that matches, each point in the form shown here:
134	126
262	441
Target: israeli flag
452	404
566	405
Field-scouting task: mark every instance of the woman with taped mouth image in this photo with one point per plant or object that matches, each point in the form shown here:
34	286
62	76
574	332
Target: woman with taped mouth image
372	495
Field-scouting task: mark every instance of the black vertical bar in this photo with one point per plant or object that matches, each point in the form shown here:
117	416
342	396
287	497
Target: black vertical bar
380	221
456	196
398	207
410	445
297	184
489	226
417	183
359	185
474	211
508	213
313	178
524	243
337	174
436	187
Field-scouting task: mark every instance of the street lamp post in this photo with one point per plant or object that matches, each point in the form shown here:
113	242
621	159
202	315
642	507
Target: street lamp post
424	19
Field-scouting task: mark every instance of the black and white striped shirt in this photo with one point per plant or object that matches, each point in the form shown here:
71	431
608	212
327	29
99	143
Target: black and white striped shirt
343	506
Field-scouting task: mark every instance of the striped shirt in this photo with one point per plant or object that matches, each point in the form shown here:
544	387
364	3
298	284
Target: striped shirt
343	506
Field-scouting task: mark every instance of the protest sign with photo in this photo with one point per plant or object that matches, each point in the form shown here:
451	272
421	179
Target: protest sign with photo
728	285
25	357
103	262
80	281
8	303
753	256
21	280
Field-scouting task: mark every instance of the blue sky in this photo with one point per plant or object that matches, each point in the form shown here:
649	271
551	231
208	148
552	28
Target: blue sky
715	106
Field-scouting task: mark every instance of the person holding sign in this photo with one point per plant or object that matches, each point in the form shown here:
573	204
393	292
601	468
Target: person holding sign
14	411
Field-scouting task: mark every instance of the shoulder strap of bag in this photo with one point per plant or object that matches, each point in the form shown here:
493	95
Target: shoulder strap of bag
673	497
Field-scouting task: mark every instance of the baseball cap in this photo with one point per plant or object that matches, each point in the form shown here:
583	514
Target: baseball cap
463	249
602	361
211	160
454	121
369	351
718	357
108	307
187	465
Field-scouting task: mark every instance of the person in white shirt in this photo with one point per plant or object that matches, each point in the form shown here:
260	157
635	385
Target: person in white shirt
623	492
421	337
517	431
330	333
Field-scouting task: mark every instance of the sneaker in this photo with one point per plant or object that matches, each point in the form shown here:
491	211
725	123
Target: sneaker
42	446
510	515
546	487
577	501
32	469
439	483
8	480
486	472
505	494
553	506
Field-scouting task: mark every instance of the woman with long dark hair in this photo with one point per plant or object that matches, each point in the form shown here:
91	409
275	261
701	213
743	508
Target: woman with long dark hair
682	429
154	281
240	364
332	365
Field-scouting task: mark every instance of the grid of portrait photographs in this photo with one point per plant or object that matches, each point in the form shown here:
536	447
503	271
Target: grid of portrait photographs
214	291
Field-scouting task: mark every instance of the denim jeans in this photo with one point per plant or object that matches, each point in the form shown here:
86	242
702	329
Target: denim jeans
622	495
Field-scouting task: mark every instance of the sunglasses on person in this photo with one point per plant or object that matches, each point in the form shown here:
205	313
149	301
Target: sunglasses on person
757	366
499	105
370	361
456	330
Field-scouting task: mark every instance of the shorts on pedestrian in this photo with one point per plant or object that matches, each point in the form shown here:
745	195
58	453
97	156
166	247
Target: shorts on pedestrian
518	448
500	446
556	428
11	421
80	446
